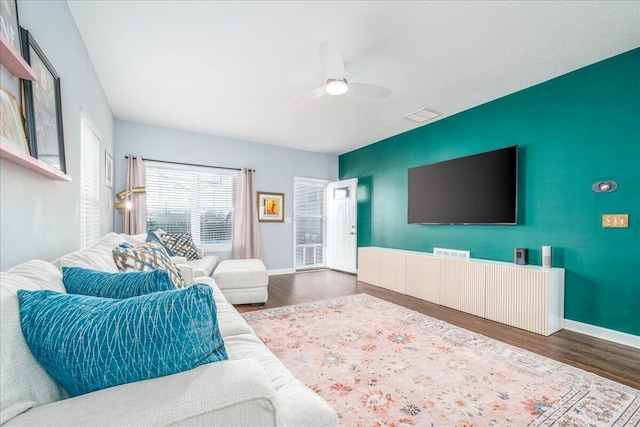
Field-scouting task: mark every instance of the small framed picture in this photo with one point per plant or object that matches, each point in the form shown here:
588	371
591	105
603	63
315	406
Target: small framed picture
108	169
270	207
12	131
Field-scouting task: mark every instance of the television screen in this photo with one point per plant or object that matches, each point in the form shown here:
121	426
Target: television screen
477	189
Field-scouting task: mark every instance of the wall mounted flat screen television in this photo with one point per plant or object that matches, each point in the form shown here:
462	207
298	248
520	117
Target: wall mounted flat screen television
477	189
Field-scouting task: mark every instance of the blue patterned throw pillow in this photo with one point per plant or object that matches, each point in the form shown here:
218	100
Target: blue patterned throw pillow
83	281
88	343
153	236
146	257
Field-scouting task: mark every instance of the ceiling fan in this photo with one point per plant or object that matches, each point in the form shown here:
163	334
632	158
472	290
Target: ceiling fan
336	83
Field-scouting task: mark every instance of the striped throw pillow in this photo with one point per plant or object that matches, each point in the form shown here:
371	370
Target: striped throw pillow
181	244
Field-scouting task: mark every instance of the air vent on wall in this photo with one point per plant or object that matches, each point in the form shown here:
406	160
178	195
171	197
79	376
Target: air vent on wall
451	253
422	115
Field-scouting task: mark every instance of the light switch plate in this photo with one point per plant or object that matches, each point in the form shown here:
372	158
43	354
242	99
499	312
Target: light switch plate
615	220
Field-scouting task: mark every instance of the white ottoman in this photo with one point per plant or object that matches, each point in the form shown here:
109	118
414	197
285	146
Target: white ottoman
242	281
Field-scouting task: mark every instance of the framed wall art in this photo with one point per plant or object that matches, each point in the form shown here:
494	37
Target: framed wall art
11	129
270	207
9	23
108	169
42	106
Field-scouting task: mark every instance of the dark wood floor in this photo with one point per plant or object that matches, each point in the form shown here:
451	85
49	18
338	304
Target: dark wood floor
610	360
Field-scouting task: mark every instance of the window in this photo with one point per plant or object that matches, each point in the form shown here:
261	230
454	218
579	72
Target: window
192	199
309	222
89	183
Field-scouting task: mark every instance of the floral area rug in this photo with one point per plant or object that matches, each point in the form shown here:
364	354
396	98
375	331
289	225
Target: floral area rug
379	364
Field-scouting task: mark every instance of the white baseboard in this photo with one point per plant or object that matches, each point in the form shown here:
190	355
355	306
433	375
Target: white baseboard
280	271
603	333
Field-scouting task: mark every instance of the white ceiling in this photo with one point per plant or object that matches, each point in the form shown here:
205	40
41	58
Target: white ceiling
231	68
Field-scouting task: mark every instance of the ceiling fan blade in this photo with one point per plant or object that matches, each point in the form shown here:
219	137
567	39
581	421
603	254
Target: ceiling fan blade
331	60
307	96
368	90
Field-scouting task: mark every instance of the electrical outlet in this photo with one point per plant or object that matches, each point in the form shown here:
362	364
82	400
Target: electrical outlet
615	220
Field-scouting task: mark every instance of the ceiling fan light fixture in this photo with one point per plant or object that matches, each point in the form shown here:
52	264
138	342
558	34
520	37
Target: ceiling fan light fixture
336	86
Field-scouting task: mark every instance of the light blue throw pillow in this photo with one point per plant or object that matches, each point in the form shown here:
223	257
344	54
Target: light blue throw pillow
83	281
88	343
153	237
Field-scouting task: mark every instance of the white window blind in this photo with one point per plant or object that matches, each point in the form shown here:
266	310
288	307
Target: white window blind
191	199
309	222
89	183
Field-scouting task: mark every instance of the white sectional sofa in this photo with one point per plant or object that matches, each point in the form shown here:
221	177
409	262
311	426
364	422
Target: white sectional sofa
253	388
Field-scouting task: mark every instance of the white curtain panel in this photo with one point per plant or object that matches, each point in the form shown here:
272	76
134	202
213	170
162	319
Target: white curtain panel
245	241
135	219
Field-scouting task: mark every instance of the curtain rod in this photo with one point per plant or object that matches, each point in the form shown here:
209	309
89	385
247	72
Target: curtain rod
191	164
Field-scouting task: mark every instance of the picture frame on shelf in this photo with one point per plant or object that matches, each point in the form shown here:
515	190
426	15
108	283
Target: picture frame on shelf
42	106
108	169
9	23
270	207
11	129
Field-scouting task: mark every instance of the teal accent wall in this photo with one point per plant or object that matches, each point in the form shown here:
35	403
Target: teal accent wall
571	131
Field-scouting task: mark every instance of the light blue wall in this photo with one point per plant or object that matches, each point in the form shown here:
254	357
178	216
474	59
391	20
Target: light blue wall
40	218
275	169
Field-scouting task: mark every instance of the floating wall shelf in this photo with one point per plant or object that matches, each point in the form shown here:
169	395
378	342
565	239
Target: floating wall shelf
13	61
16	156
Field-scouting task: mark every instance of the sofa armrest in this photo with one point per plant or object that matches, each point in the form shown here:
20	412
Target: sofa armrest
227	393
185	269
187	273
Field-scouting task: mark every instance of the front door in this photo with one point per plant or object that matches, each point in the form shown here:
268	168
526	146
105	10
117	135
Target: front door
341	225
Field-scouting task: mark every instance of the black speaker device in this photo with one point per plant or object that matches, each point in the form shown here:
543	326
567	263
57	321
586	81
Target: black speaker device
521	256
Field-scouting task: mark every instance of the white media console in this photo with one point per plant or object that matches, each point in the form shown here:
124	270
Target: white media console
528	297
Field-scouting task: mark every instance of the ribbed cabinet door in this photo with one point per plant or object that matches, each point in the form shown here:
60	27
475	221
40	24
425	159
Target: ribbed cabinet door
423	277
518	297
369	266
393	272
462	286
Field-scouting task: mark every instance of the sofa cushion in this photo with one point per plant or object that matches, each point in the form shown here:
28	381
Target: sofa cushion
84	281
226	394
39	273
229	320
90	343
134	239
24	382
97	256
146	257
181	244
